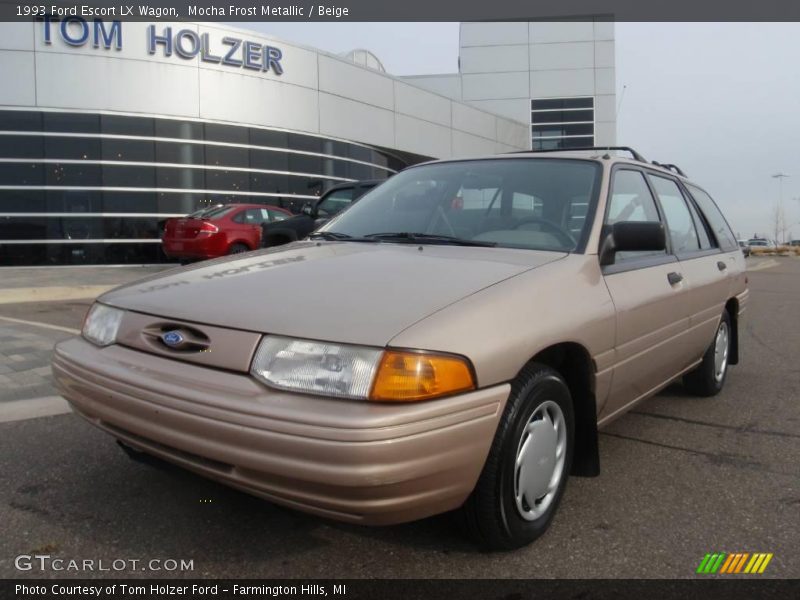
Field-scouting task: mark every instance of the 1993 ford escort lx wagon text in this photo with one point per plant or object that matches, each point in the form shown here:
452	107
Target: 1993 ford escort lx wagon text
452	341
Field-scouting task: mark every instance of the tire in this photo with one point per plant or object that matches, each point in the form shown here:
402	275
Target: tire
238	249
709	377
493	515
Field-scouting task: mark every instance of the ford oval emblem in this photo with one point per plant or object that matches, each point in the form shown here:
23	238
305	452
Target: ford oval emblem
172	339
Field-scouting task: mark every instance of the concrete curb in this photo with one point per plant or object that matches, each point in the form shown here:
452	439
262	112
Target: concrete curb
53	294
22	410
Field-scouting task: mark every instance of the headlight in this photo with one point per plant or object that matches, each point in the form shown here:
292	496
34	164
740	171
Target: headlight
359	372
101	324
316	367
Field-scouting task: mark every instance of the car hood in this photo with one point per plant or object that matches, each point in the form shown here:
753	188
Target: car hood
336	291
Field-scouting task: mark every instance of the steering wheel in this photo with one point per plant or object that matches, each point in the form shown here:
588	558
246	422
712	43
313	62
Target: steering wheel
559	233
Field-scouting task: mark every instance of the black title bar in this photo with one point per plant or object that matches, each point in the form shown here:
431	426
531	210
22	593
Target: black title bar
711	588
407	10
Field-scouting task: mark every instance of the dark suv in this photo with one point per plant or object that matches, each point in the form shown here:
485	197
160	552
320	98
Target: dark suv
329	204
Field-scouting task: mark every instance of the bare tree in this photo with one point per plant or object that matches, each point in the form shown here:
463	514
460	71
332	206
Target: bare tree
779	224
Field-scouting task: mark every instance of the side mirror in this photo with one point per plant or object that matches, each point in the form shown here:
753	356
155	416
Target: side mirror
307	210
632	236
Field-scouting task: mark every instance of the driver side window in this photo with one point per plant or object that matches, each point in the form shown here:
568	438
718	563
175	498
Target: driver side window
335	202
631	200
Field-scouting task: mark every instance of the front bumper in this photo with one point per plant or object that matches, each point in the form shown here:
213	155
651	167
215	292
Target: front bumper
353	461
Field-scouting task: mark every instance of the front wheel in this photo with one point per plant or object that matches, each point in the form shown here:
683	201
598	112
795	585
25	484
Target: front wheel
709	378
526	471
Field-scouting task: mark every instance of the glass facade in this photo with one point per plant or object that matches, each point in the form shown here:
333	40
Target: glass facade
78	188
562	123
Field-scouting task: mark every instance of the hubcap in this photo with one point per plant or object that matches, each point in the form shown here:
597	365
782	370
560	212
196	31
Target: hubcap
721	352
539	466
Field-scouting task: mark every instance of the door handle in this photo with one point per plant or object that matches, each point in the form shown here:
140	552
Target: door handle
721	265
674	278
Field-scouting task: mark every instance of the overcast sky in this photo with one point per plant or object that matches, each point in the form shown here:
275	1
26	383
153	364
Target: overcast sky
721	100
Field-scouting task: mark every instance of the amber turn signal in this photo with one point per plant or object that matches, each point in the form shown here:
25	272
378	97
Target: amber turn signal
413	376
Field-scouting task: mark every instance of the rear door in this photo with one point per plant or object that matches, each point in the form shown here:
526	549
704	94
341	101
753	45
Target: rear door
731	261
650	297
704	266
247	226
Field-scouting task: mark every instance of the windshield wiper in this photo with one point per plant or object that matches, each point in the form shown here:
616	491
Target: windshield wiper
428	238
335	236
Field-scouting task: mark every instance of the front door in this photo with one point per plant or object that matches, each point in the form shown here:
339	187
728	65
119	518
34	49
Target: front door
651	298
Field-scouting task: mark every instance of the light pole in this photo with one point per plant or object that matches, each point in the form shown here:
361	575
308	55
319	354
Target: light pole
779	209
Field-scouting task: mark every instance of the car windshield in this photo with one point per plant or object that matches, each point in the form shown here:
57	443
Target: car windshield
538	204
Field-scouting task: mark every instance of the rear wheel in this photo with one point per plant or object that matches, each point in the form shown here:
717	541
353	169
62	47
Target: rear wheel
238	249
525	474
709	378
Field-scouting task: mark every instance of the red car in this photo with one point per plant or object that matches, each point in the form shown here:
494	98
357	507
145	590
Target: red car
217	231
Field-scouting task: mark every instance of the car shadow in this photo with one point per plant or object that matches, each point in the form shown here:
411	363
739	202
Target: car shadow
675	390
159	509
440	533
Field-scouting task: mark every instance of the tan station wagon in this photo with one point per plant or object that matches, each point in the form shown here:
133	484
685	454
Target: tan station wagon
452	341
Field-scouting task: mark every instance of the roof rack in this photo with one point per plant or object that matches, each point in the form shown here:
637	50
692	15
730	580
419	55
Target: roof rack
670	167
634	153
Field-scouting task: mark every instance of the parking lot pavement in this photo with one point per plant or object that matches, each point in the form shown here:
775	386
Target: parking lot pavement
681	477
38	308
41	277
25	361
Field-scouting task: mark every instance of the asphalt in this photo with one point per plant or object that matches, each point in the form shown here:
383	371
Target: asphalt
681	477
42	306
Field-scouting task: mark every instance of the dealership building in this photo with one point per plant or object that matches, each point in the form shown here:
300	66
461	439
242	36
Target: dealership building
108	128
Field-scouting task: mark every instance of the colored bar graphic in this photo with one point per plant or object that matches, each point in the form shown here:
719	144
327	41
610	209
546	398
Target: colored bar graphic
718	562
728	563
765	563
741	562
754	563
710	563
733	563
703	563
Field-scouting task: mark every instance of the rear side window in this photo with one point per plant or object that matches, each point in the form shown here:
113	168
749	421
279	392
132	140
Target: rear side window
212	213
252	216
720	227
681	227
706	243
